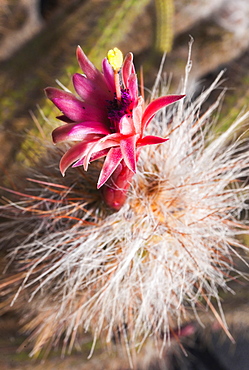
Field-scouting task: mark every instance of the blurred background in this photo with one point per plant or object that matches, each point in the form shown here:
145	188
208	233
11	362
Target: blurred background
38	39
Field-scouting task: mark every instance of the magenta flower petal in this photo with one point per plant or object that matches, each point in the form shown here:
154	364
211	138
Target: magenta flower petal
112	161
64	118
128	146
95	113
87	67
78	131
132	86
75	109
126	126
68	104
109	75
78	163
74	154
94	156
157	104
90	70
108	141
88	91
99	154
127	69
150	140
137	115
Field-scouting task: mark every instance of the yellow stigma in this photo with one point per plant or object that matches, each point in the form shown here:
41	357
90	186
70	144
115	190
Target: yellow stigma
115	58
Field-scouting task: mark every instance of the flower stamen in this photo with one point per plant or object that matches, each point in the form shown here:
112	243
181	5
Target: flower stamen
115	58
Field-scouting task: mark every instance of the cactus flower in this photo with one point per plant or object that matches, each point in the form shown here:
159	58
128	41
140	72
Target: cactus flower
107	119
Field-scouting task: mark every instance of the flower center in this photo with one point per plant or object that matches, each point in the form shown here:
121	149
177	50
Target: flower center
119	108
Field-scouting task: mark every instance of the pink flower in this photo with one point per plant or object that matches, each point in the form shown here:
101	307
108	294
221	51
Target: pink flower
107	118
